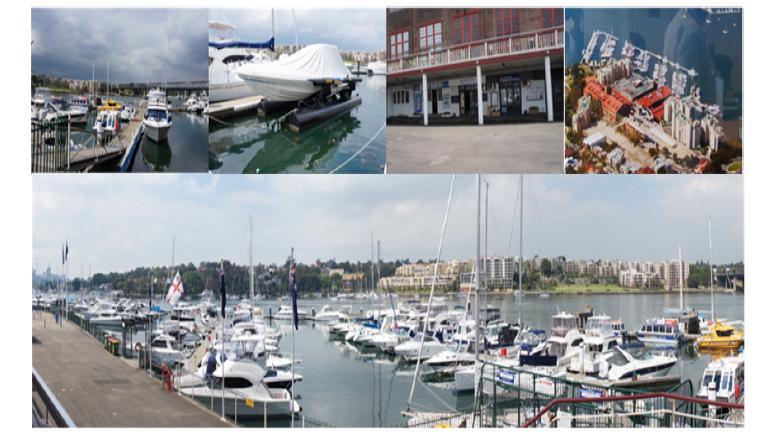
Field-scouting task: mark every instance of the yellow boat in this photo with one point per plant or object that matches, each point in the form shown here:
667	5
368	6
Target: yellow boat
110	104
721	337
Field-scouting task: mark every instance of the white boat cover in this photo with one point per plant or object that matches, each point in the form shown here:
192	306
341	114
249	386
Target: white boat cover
314	62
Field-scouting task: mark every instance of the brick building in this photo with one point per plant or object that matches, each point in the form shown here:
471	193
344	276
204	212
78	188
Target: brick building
474	64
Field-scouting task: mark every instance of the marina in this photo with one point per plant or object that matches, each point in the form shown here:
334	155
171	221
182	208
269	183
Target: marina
372	386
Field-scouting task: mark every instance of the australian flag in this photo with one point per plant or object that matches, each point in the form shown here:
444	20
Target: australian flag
222	291
293	289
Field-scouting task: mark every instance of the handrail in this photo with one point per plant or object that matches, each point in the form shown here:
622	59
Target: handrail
60	416
479	41
678	397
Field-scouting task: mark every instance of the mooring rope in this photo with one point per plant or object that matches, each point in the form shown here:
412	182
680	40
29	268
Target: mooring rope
359	151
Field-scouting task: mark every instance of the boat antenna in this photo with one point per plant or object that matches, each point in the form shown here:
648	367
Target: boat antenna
431	293
273	32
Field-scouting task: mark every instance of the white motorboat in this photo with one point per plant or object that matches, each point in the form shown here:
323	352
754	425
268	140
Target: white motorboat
448	360
295	77
244	393
724	379
430	346
619	364
565	340
127	113
329	315
599	337
164	349
226	53
660	333
157	119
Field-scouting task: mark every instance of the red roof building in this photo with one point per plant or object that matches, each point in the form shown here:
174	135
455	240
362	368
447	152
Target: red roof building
614	106
654	101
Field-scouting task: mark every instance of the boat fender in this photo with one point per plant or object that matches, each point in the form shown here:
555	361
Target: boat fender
603	369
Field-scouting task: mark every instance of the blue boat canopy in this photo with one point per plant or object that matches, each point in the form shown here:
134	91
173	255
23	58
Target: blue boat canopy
243	44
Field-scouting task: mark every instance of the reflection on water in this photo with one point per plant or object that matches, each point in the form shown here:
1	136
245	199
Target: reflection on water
155	156
249	144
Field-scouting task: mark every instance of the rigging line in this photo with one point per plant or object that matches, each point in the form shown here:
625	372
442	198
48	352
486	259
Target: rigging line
359	151
513	226
440	399
431	293
540	224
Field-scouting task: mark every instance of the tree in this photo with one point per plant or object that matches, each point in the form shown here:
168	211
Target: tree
545	267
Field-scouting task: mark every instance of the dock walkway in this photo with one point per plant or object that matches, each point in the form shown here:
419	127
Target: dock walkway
100	390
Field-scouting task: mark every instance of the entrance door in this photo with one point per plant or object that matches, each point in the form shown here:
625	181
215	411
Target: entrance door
434	100
510	96
468	100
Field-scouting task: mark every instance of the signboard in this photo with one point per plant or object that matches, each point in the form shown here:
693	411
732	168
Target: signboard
506	376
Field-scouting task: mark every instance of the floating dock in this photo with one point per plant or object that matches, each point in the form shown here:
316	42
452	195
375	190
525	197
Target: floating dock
225	109
98	389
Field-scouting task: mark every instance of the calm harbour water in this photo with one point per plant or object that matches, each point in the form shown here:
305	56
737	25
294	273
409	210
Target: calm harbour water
248	144
185	150
347	389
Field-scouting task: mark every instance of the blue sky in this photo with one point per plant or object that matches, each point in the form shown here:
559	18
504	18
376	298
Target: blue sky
118	223
351	29
144	44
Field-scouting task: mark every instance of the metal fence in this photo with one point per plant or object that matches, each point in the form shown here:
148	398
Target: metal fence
514	397
50	145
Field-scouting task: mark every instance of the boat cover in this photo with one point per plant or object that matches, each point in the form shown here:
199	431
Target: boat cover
242	44
314	62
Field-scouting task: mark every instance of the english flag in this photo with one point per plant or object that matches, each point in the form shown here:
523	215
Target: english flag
176	290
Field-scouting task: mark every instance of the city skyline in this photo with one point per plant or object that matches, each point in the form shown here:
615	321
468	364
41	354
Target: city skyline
119	224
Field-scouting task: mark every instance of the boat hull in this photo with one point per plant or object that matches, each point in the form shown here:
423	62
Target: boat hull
156	132
279	90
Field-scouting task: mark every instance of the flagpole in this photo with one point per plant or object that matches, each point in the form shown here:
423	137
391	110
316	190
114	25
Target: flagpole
294	320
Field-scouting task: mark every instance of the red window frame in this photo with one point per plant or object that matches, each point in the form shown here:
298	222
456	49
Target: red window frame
463	27
429	42
402	37
506	21
552	17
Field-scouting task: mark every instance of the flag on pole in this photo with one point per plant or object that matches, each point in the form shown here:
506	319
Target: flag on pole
176	290
223	292
65	255
293	289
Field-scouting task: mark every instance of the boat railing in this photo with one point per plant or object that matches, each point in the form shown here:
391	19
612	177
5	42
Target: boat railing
517	44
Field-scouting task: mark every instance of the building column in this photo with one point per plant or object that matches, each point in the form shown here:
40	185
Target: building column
424	108
548	89
480	106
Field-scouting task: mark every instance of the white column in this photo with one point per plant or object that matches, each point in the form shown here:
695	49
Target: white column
548	90
424	91
479	94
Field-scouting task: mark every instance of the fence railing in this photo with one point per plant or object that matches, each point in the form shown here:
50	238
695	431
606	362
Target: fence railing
53	408
501	46
513	396
50	145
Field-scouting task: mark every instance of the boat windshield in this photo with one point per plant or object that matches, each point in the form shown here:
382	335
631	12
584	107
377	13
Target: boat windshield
724	332
157	114
245	349
712	376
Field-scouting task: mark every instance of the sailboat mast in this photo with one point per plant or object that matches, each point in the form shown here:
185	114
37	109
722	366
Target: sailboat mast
681	281
521	246
378	262
478	260
372	263
252	272
710	267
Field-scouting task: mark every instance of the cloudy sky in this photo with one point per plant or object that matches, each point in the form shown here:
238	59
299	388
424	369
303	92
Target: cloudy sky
118	223
351	29
144	44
